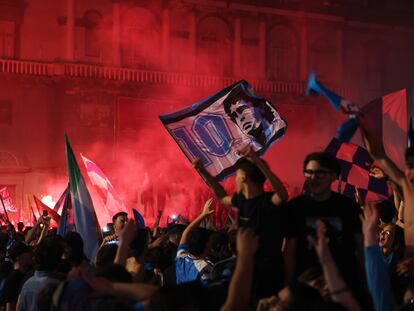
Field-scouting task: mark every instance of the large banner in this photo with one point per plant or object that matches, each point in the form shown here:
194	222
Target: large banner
217	128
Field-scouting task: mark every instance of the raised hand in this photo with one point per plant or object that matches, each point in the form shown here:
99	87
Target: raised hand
320	242
207	210
377	173
358	198
370	221
128	232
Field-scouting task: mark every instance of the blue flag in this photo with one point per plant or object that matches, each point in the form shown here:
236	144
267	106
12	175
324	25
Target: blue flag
139	220
217	128
348	128
65	224
84	217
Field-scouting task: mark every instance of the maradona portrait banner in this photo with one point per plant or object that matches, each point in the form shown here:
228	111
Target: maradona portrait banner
217	128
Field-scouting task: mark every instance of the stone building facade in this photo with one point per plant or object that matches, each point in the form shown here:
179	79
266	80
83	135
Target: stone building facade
101	71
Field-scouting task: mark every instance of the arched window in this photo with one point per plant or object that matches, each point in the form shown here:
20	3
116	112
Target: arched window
92	20
323	53
140	39
376	57
214	47
7	39
282	54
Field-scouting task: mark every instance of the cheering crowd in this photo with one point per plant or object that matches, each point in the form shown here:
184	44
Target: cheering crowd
317	251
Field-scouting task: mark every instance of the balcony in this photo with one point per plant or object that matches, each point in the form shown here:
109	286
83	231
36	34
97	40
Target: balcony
126	75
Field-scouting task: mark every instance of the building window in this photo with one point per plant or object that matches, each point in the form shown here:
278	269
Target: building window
92	21
214	47
282	54
140	39
7	39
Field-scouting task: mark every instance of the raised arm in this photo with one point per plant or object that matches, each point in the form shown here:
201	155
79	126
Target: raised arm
280	194
196	222
376	149
337	287
213	184
125	238
376	270
156	224
238	296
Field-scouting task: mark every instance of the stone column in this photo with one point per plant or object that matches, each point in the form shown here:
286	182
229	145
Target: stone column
70	31
192	41
236	48
339	54
165	49
116	34
303	52
262	50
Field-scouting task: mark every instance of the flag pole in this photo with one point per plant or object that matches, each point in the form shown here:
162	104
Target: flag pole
4	208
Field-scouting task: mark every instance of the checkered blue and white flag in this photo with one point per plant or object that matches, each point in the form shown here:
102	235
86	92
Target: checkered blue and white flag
217	128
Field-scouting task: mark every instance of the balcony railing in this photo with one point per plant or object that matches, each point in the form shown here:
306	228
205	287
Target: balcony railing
144	76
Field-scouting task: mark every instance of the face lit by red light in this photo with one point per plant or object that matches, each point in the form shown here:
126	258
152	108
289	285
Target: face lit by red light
240	180
318	178
119	223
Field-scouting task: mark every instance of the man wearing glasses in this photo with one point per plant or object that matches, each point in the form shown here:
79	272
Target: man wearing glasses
340	214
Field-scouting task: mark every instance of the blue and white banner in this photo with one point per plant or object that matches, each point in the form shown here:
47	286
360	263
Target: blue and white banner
217	128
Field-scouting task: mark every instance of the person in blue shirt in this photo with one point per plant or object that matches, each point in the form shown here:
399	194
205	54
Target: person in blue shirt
190	262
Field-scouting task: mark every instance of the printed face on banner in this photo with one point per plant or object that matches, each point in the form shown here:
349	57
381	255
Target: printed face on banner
216	130
258	120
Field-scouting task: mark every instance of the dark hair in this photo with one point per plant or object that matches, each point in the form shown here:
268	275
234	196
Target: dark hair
48	253
20	226
175	228
197	241
219	249
161	257
74	242
117	215
386	210
324	159
17	249
311	274
253	173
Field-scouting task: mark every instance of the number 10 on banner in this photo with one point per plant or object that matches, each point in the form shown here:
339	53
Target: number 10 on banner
209	136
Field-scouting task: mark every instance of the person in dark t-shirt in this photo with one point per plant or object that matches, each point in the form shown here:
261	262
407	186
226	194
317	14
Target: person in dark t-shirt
21	255
262	211
339	213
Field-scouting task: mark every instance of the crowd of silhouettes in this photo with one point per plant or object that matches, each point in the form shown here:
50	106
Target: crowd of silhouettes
317	251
